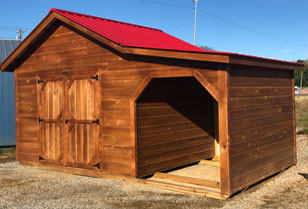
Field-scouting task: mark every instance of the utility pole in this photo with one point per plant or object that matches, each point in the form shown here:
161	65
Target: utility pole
195	25
20	32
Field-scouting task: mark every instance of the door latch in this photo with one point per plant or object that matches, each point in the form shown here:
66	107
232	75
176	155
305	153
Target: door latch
40	120
95	77
97	165
96	121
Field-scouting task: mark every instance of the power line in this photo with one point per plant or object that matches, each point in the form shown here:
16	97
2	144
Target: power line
229	22
166	4
12	28
251	30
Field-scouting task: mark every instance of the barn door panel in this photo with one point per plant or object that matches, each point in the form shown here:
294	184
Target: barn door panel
83	122
51	105
82	149
52	143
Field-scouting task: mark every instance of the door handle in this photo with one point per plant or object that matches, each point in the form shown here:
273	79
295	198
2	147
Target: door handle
96	121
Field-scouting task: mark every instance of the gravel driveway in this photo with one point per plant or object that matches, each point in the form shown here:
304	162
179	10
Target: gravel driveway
26	187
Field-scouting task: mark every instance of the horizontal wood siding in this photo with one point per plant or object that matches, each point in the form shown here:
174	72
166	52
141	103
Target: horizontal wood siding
261	124
66	50
27	141
175	124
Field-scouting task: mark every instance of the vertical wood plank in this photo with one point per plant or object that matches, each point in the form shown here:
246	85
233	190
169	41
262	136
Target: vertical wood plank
294	119
38	115
85	142
98	114
65	141
133	114
82	111
223	79
50	110
133	121
216	127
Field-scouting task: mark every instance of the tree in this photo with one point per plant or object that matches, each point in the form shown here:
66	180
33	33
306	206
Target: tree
297	74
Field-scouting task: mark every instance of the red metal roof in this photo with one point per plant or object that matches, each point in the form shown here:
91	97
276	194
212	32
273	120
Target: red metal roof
130	35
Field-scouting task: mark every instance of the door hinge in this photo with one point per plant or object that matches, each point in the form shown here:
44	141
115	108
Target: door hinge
96	121
40	120
39	81
97	165
95	77
41	158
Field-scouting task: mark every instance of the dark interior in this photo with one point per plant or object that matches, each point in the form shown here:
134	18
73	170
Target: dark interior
175	124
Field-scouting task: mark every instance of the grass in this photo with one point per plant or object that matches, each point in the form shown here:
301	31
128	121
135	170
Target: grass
301	108
7	150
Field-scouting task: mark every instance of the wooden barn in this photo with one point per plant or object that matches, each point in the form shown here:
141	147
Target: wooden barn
102	98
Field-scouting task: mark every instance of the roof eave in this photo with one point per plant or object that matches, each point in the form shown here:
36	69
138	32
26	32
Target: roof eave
11	62
186	55
266	63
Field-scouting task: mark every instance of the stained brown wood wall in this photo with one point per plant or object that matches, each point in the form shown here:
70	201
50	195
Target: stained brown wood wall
175	124
65	50
260	124
260	105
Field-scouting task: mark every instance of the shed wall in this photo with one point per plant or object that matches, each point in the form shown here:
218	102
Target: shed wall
68	51
7	109
260	124
63	51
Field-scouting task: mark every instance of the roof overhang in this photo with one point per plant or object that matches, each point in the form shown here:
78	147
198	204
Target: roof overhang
53	20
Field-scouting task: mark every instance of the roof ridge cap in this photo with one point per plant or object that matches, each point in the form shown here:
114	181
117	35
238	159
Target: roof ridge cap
102	18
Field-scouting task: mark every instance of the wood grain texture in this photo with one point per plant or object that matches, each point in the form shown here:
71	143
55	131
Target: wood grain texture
188	180
294	121
261	124
169	125
125	178
69	55
174	126
223	132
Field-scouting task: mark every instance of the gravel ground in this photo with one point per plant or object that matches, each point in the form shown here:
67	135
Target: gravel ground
26	187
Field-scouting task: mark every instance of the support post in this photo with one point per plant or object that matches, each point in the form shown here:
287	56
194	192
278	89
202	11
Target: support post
223	120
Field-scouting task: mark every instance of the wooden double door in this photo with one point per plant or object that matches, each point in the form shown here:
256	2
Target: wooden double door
68	116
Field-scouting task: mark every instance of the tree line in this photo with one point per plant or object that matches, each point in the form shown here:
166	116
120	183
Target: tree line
297	74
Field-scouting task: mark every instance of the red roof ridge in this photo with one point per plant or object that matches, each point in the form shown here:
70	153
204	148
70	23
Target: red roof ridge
96	17
139	38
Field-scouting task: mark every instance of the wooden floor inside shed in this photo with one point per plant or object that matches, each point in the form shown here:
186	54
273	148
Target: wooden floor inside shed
201	178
